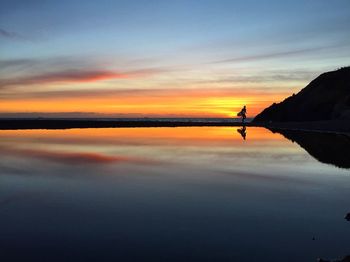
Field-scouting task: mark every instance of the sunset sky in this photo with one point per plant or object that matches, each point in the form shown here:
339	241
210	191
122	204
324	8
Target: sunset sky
183	58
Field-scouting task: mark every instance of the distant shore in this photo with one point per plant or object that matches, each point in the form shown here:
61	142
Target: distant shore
334	126
10	124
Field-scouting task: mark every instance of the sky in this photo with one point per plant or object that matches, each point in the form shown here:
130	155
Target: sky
153	58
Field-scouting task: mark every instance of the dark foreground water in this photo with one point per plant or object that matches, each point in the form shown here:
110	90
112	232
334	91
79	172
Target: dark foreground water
173	194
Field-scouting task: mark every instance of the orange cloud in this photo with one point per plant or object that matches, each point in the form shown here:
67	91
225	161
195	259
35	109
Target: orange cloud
73	76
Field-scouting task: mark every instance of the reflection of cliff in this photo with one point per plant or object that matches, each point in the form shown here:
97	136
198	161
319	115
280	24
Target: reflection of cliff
326	148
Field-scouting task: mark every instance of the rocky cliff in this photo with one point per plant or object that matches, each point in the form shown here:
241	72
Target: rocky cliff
326	98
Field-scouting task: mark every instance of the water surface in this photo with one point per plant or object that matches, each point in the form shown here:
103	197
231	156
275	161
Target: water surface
169	194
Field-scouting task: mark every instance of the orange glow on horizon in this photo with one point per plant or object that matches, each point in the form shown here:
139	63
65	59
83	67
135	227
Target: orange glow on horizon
181	105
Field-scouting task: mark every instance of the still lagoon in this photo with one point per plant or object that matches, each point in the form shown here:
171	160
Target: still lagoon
172	194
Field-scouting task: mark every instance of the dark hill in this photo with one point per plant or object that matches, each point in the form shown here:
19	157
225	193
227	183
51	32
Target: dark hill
326	98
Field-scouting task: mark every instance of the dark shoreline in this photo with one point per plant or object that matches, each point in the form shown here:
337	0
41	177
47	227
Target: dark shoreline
6	124
334	126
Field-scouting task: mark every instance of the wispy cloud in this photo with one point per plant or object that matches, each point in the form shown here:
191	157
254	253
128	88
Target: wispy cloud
51	115
277	54
59	63
29	71
299	75
73	76
86	93
143	94
15	63
11	35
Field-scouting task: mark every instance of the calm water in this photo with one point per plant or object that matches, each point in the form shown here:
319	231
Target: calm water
170	194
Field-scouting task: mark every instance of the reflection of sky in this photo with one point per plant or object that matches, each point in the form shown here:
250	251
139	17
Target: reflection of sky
148	57
197	192
219	148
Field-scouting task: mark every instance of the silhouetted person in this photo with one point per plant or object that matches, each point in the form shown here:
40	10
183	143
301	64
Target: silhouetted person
243	113
242	131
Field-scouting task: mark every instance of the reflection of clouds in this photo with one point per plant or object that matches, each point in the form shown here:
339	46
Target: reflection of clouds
14	198
259	154
10	169
149	151
181	146
239	159
75	157
263	176
139	137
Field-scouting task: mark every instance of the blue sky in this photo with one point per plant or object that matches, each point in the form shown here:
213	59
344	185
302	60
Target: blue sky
223	45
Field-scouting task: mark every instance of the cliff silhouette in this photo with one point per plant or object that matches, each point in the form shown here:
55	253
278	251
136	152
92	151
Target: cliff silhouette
326	98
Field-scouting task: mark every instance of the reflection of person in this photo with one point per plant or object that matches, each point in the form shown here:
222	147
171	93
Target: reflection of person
242	131
243	113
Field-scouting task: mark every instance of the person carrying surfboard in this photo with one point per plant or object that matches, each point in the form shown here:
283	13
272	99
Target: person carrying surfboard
243	113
